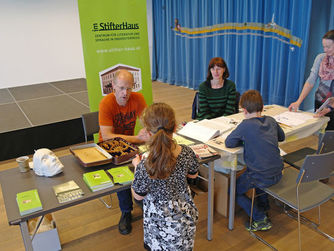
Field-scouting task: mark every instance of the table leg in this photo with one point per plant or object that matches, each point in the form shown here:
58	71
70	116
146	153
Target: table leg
25	236
232	199
210	200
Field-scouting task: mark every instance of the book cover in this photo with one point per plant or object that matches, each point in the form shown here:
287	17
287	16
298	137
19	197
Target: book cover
203	151
65	187
121	175
97	180
28	202
67	191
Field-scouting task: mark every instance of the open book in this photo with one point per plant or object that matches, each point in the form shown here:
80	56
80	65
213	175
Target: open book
222	124
203	151
206	129
199	132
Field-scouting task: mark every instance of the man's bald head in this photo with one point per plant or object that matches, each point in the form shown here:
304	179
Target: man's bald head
123	75
122	85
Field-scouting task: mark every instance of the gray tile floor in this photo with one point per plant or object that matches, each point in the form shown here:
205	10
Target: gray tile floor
39	104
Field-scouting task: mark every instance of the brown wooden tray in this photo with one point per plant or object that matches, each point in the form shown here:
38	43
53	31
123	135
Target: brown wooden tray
109	158
118	157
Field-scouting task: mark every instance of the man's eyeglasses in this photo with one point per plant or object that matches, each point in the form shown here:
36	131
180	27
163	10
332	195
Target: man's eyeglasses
124	89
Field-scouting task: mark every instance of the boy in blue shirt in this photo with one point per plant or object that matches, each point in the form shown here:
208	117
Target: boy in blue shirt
259	135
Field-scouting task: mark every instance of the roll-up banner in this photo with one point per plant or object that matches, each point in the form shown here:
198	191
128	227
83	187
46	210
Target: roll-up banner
114	37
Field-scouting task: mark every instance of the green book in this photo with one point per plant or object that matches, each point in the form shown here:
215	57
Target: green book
97	180
28	202
121	175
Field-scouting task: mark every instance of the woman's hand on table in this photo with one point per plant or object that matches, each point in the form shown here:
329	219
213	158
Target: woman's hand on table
294	106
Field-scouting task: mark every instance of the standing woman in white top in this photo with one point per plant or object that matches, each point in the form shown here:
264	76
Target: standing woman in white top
323	68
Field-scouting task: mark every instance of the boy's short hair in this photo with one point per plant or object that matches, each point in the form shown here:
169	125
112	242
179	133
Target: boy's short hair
252	101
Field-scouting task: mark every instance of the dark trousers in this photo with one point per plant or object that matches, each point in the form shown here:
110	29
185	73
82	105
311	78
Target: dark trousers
246	182
125	200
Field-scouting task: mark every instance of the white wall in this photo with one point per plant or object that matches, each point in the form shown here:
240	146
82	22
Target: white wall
40	41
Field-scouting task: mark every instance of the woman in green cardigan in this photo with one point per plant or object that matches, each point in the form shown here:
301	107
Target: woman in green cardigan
217	95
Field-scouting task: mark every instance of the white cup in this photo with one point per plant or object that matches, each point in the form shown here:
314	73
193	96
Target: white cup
23	162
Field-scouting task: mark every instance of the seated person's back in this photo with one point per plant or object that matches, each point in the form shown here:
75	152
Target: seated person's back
259	135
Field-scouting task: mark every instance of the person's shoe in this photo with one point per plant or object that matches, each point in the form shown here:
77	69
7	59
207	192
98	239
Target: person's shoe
124	225
262	225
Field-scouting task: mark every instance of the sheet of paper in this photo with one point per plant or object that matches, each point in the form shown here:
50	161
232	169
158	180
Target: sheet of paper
219	143
181	140
292	118
233	122
143	148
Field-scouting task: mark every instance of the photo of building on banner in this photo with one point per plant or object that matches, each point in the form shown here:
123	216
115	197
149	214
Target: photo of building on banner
107	78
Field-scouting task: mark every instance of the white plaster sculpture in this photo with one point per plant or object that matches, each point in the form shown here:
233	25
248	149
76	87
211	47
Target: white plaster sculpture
46	163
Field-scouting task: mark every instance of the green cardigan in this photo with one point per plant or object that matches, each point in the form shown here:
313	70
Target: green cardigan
215	103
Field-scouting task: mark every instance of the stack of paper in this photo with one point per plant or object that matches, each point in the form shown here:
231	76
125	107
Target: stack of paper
121	175
97	180
28	202
292	118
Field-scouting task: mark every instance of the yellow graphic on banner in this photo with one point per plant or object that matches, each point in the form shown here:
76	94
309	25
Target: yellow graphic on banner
233	28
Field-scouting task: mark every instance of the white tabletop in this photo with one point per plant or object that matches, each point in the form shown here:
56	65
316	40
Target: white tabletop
309	127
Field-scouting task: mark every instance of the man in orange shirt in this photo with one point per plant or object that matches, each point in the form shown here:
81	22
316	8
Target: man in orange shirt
118	113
